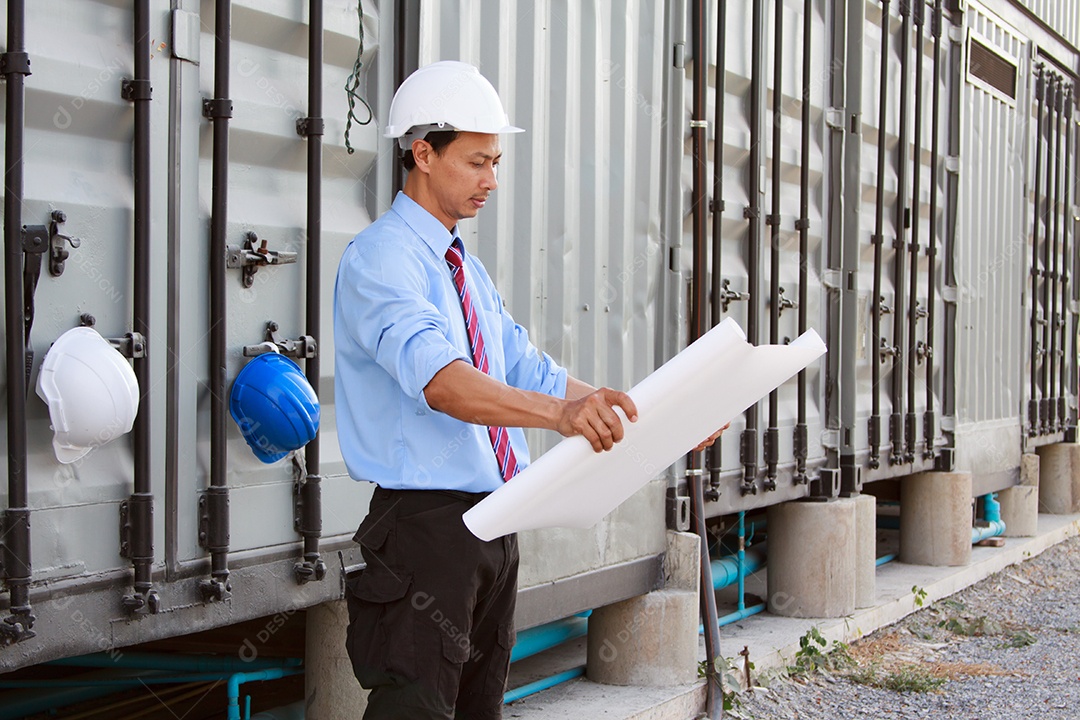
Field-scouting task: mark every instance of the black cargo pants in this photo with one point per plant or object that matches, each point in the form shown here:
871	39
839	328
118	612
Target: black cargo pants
431	618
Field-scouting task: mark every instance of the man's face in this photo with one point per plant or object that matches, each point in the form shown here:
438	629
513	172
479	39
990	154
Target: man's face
462	176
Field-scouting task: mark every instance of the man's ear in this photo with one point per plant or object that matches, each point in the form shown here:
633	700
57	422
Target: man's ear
422	152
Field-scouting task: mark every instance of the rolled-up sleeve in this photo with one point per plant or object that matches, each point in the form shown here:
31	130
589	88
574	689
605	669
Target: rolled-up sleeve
383	293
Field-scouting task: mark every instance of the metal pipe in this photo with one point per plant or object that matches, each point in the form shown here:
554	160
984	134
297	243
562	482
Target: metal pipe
1044	376
741	557
772	434
214	505
914	311
716	206
548	682
878	240
15	65
1053	193
748	446
1033	380
139	508
309	490
1056	350
800	443
903	222
929	417
714	687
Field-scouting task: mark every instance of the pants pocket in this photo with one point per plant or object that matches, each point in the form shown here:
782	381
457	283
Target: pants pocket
379	638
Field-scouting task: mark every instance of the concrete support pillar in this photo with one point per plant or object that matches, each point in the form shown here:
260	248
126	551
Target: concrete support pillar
331	690
651	640
812	558
1059	478
865	550
935	518
1020	503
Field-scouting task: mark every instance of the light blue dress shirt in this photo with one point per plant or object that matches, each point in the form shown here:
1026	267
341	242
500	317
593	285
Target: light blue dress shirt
397	322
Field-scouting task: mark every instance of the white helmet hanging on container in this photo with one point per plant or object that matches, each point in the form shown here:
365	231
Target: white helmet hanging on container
91	392
446	95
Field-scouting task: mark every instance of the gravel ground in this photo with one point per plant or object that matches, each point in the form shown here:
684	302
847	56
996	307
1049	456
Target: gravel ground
1007	647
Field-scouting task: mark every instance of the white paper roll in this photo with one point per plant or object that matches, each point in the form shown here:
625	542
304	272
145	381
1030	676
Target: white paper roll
683	402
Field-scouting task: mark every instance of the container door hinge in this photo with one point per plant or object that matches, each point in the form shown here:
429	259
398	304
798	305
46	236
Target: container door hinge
678	511
834	118
826	485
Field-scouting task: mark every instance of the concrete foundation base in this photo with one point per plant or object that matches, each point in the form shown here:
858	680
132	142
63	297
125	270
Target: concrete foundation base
330	688
1059	478
935	519
1029	469
812	551
865	550
1020	510
650	640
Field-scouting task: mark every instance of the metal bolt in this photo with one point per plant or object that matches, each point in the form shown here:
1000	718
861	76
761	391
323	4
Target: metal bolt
59	216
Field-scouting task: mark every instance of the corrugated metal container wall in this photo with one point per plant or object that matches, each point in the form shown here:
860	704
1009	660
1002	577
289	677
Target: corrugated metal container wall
991	257
737	196
907	130
267	182
1063	16
572	239
78	159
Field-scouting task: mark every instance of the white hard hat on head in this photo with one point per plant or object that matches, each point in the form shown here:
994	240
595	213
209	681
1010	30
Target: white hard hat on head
91	391
446	95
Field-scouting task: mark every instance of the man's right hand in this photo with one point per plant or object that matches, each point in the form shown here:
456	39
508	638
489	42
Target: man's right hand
593	418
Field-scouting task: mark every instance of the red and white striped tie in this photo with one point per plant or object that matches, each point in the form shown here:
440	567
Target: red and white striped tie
500	439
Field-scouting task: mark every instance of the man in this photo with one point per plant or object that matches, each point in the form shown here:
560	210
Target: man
434	381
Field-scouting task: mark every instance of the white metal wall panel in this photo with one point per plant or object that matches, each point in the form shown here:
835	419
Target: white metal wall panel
1062	15
572	238
991	259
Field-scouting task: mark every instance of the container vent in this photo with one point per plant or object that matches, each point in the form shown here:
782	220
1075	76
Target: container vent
991	68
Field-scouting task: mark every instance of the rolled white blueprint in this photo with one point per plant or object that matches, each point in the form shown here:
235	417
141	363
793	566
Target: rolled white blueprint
680	404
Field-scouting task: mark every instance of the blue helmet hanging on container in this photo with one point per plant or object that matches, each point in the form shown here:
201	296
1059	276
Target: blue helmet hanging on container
275	406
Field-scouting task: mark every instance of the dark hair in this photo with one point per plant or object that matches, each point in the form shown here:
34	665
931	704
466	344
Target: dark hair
438	140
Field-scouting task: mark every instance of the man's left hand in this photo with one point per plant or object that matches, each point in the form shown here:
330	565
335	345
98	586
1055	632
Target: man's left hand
711	439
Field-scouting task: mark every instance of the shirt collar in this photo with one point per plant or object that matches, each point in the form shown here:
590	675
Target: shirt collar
424	224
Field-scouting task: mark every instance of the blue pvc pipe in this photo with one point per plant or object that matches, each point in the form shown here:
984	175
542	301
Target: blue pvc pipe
537	639
237	679
725	571
741	614
174	663
885	559
992	516
549	682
